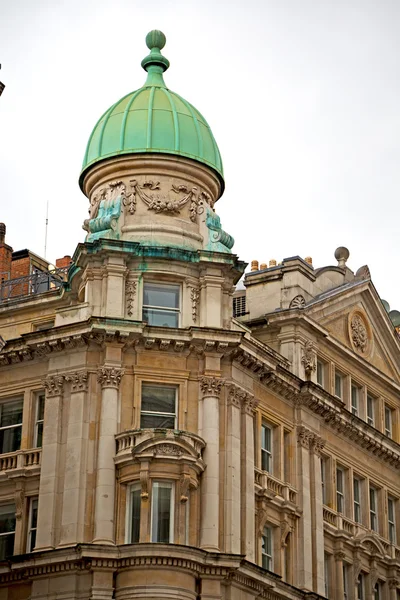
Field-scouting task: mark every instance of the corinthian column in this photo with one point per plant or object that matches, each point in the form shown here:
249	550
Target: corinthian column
209	431
248	508
104	530
73	512
50	468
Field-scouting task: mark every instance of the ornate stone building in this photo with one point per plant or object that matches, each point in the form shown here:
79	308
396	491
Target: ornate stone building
152	445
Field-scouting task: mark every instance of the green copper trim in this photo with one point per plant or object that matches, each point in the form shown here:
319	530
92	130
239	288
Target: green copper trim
150	117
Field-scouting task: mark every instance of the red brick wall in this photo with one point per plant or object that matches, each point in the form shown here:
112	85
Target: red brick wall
5	261
63	262
20	267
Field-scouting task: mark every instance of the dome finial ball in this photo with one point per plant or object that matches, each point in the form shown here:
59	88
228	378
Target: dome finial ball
155	39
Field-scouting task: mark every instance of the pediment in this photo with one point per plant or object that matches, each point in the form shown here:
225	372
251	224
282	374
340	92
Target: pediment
358	320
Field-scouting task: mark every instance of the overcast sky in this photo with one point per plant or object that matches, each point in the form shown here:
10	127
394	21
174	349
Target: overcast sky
303	97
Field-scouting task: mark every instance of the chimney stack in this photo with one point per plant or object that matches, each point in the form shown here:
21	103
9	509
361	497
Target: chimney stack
5	254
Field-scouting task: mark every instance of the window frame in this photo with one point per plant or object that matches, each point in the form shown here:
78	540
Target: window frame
131	489
345	571
321	365
370	404
355	400
391	521
360	587
3	403
357	503
373	511
38	422
388	430
341	493
159	414
31	528
170	485
9	533
268	452
338	377
267	542
177	311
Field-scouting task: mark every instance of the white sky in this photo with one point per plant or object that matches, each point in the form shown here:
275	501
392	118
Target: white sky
303	97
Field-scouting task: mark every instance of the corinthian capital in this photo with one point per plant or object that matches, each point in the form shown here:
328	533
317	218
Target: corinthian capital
211	386
109	377
79	381
54	385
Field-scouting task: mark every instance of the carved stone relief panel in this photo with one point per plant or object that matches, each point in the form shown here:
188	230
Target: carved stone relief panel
360	333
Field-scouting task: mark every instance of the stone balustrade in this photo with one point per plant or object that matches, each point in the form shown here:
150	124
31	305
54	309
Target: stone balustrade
28	460
273	485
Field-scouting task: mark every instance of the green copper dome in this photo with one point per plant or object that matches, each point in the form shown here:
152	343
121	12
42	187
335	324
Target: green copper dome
153	119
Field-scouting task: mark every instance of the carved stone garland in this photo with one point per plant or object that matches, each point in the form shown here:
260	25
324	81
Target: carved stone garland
130	293
359	333
195	298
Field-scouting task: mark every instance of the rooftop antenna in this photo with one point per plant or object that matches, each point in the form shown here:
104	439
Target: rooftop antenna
45	235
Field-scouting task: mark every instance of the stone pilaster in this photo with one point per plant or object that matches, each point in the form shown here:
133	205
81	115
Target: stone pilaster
73	512
209	430
104	529
338	586
233	471
316	446
50	472
305	572
248	548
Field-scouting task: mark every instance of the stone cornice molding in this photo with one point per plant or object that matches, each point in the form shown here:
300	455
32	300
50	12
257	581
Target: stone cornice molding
109	377
211	386
78	381
54	385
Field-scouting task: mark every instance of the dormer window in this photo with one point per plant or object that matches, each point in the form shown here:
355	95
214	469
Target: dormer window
161	304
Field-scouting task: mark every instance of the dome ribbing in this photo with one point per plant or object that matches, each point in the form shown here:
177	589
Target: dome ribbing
153	119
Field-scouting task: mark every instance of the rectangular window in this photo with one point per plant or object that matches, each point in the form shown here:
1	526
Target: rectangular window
158	407
267	549
370	410
388	421
355	392
38	437
392	520
357	499
161	304
320	373
345	581
340	490
7	530
134	506
338	385
373	508
266	448
162	512
361	587
10	426
377	591
32	524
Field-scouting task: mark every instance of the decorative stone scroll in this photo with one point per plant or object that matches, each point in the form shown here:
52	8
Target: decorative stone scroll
195	298
211	386
359	333
308	359
150	193
130	293
78	380
54	385
104	212
109	377
297	302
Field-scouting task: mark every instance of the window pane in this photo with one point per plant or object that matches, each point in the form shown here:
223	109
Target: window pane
338	385
40	408
160	318
6	546
158	399
135	516
11	413
156	422
7	518
39	435
320	373
161	513
10	439
159	295
34	514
